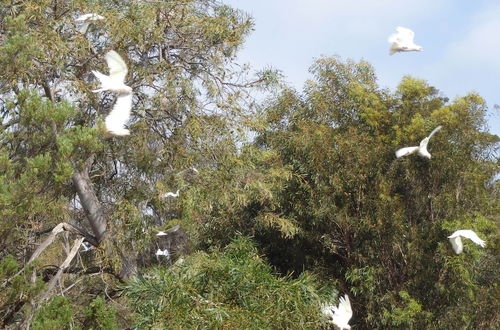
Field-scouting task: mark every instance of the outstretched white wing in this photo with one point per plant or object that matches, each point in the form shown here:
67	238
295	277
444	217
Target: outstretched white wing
405	34
434	131
115	121
402	36
342	313
345	308
406	151
467	233
85	20
117	67
425	141
88	17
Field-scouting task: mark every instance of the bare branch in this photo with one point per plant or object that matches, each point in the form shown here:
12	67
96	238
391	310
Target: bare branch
63	226
62	268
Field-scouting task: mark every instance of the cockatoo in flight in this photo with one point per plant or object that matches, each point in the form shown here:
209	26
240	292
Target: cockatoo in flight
456	240
421	150
340	315
115	82
86	19
171	194
402	41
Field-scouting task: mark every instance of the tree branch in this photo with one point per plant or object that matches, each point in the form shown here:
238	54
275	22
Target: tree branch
31	311
63	226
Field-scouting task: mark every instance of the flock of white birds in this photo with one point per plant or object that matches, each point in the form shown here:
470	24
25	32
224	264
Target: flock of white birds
401	41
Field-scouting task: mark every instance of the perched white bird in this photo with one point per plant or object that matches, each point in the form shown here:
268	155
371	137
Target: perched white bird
340	315
456	241
87	246
171	194
421	149
86	19
115	82
402	41
163	253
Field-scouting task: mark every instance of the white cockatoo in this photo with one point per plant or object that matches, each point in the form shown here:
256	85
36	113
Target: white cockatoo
115	82
341	314
171	194
402	41
86	246
456	240
161	233
86	19
421	150
163	253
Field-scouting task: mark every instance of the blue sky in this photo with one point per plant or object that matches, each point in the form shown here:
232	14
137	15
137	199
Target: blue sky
461	41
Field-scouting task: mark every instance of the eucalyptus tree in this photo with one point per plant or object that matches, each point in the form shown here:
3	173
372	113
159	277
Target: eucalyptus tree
375	224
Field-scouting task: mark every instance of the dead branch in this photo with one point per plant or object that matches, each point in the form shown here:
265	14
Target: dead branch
62	268
25	324
63	226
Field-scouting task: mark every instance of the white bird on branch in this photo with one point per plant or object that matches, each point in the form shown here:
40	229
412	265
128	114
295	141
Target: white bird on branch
340	315
87	246
402	41
115	82
456	240
421	150
163	253
86	19
171	194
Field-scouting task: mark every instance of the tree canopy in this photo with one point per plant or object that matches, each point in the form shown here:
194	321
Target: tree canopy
283	204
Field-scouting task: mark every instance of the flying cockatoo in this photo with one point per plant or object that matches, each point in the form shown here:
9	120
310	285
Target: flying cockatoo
340	315
171	194
456	240
421	150
86	19
115	82
402	41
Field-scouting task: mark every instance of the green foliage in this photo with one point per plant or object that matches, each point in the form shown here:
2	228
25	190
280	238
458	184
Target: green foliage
56	314
319	189
377	224
100	315
232	288
406	313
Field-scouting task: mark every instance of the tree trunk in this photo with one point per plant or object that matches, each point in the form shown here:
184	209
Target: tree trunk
90	203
